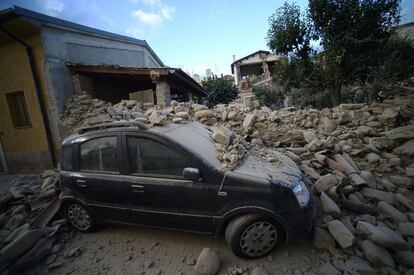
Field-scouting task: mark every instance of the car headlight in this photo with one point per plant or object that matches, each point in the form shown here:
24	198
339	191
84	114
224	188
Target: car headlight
301	192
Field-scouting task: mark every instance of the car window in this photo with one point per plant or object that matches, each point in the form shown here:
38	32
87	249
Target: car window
99	154
148	156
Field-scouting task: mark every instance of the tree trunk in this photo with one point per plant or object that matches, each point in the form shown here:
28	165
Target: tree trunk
336	92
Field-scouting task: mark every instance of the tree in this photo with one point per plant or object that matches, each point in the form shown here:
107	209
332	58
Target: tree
353	35
219	91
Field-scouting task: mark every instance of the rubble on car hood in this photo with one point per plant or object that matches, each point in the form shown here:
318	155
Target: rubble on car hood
358	160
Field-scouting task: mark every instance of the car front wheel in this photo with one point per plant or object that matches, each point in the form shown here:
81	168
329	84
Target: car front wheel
80	217
253	236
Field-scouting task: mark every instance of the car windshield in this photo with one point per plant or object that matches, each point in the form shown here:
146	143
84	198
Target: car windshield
194	137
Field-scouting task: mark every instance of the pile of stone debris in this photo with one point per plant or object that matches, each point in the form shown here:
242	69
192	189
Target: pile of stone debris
357	158
26	235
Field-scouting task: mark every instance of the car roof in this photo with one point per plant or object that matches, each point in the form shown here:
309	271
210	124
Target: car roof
193	136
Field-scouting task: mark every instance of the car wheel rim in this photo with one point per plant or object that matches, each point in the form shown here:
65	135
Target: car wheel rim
79	217
258	239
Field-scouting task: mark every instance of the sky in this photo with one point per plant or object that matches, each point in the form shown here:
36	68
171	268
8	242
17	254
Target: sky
191	34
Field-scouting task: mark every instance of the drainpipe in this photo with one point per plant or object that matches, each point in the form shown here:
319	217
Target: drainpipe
39	95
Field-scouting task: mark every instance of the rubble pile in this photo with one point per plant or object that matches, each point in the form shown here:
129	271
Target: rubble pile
25	235
357	158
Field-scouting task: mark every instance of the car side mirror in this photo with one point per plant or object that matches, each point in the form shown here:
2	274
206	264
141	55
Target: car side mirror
192	174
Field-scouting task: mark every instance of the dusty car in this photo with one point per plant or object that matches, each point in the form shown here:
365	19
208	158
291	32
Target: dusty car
170	177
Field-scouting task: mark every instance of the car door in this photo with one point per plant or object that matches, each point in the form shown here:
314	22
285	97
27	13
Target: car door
159	195
98	179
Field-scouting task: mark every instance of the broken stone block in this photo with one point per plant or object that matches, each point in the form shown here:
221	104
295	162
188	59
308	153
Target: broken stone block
376	254
259	270
378	195
401	133
405	201
341	234
382	236
158	118
401	181
322	239
208	262
369	178
391	212
326	182
249	120
15	221
327	125
372	158
405	258
20	245
406	228
222	135
203	114
406	148
329	269
199	107
329	206
359	265
309	136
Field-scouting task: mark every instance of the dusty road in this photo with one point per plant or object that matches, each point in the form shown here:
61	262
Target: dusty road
135	250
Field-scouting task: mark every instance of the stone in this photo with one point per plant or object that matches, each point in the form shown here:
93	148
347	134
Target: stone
157	118
183	115
401	133
329	206
382	143
341	234
259	270
405	201
203	114
327	125
208	262
382	236
199	107
359	265
344	118
406	148
401	181
378	195
372	158
388	115
249	120
309	136
322	239
325	182
406	228
369	178
20	245
222	135
363	131
391	212
405	258
315	145
376	254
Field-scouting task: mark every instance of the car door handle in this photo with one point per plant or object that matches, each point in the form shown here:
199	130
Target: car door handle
137	188
81	183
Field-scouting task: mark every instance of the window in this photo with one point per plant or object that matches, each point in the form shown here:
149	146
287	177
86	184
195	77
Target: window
99	154
67	158
18	110
150	157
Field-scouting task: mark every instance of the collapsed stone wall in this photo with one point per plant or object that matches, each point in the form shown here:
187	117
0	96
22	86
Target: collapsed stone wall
357	159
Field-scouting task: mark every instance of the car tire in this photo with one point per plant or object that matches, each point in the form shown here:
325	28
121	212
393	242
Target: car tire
253	236
80	217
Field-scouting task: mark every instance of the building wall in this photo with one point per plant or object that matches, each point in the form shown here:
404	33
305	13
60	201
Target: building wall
23	147
63	46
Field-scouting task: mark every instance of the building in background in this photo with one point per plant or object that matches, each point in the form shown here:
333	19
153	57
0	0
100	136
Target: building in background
209	74
45	60
406	30
257	65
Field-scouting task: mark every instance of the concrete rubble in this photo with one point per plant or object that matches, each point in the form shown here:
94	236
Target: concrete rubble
358	160
26	237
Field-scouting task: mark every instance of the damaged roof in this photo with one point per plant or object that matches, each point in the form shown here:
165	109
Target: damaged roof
246	57
167	72
45	20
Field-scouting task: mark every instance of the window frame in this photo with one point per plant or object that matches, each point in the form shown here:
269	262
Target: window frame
165	142
27	113
82	140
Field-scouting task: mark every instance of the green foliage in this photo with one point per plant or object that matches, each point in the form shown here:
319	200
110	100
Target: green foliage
358	46
220	91
271	97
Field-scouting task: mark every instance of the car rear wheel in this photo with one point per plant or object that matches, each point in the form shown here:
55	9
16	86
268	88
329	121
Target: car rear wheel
253	236
80	217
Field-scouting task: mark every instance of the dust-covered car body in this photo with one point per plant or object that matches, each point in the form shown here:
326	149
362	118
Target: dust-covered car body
170	177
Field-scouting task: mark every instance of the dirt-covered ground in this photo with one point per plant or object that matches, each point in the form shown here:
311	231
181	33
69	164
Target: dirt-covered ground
137	250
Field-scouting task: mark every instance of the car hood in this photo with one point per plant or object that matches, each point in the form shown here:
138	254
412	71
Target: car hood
282	171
